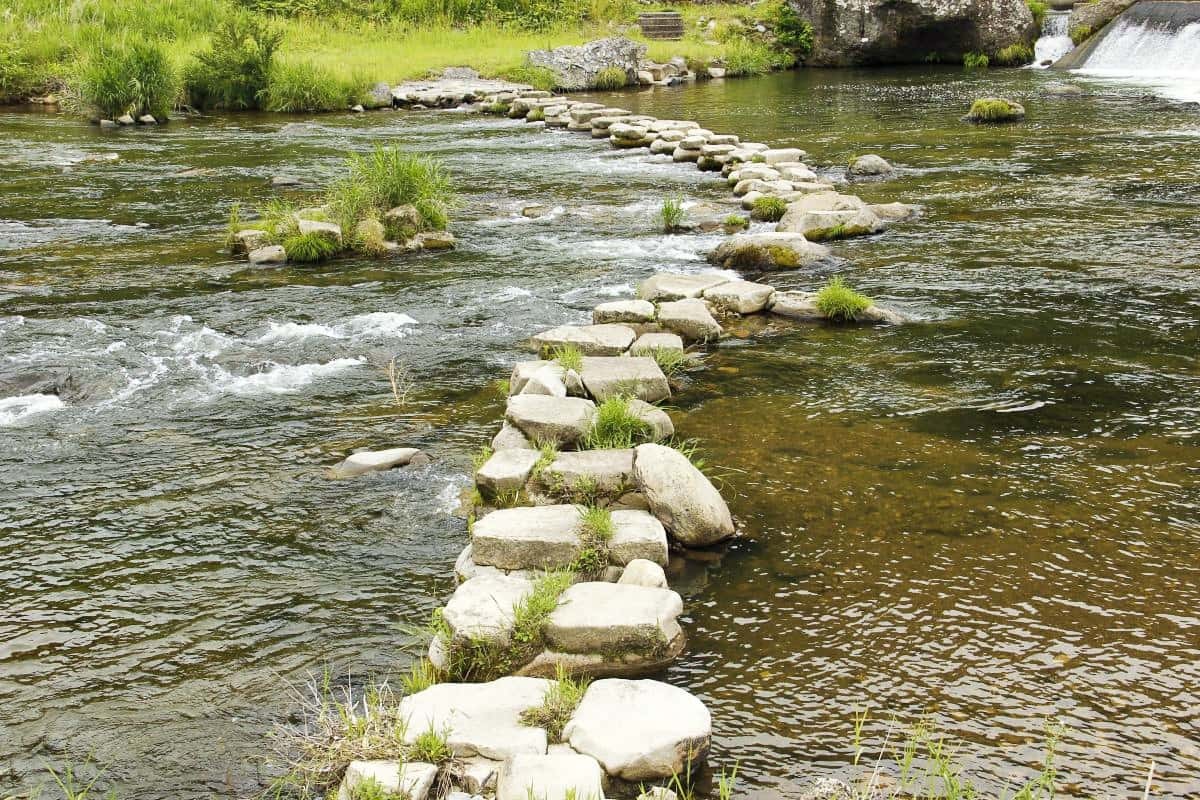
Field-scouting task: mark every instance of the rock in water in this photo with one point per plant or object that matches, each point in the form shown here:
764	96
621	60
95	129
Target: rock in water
740	297
411	779
615	620
543	418
641	572
682	498
271	256
547	777
374	461
577	67
690	319
480	719
870	165
767	251
994	110
641	730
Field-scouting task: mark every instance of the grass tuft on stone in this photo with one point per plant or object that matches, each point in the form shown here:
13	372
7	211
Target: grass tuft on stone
309	248
993	109
371	789
558	705
595	532
837	302
672	214
567	356
669	360
769	208
736	222
616	427
431	746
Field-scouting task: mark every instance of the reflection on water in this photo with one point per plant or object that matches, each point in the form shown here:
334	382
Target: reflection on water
989	517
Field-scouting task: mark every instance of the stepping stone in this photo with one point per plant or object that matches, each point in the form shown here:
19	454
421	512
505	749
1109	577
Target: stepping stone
412	779
673	286
480	719
639	377
641	572
796	305
641	730
248	239
607	473
767	251
891	212
551	777
268	256
781	155
506	471
482	608
532	537
798	174
623	311
690	319
648	343
592	340
680	495
613	619
740	297
375	461
509	438
521	373
547	380
637	536
560	420
659	421
749	172
820	226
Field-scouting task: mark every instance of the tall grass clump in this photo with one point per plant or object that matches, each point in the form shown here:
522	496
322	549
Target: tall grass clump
309	248
1038	8
234	71
975	61
746	57
769	208
538	77
568	356
610	78
387	177
1015	55
671	214
129	76
558	705
616	427
838	302
299	86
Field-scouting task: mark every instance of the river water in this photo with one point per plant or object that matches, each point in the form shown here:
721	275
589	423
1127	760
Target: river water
990	518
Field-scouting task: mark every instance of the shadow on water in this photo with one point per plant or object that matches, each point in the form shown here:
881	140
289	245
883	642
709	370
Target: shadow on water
990	517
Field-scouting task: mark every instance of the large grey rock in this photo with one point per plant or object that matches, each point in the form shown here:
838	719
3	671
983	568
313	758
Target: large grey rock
649	343
510	438
641	572
611	618
674	286
326	230
559	420
870	164
247	240
482	608
661	427
532	537
411	779
480	719
506	471
819	226
886	32
682	498
768	251
796	305
522	371
894	212
365	461
623	311
690	319
637	536
576	67
549	379
592	340
574	474
636	376
740	297
782	155
551	777
268	256
641	730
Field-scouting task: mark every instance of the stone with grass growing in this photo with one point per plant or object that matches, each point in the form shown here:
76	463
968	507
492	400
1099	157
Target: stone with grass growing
994	110
616	426
769	208
671	214
837	302
309	248
562	698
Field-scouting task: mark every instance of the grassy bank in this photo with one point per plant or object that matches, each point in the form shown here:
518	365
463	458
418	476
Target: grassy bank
327	52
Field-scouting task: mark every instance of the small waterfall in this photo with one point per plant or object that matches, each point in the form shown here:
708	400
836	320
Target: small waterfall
1055	41
1157	55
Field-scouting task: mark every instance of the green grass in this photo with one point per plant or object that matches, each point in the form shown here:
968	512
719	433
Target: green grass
669	360
616	426
299	86
1080	34
309	248
992	109
481	456
558	706
671	214
431	746
610	78
126	75
421	675
388	177
736	222
746	57
234	70
371	789
1014	55
537	77
568	356
769	209
975	61
839	303
1038	8
595	531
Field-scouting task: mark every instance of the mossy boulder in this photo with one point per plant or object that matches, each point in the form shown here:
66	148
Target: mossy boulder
994	110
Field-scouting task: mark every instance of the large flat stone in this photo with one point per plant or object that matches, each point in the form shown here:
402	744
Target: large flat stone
611	618
690	319
506	471
543	418
412	779
480	719
639	377
373	461
558	776
641	730
768	251
649	343
637	535
680	495
623	311
607	473
820	226
482	607
740	297
674	286
533	537
510	438
592	340
796	305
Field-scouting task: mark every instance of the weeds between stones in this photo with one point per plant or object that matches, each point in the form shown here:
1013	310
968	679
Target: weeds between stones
669	360
610	78
72	786
837	302
616	427
481	456
371	789
671	214
769	208
309	248
129	75
431	747
567	356
421	675
595	532
558	706
735	222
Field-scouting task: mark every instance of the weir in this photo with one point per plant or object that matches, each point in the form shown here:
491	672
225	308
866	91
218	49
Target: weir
1055	41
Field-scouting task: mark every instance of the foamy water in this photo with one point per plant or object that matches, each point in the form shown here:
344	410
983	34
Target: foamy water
15	409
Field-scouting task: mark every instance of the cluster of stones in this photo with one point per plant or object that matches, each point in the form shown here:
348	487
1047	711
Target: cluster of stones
675	72
125	120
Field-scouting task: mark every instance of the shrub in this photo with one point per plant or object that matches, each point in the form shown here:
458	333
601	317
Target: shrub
388	177
309	248
792	32
616	426
299	86
536	115
1014	55
610	78
975	61
672	214
538	77
558	706
131	77
233	73
1038	9
839	303
769	209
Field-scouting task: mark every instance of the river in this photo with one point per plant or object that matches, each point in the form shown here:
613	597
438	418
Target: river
990	517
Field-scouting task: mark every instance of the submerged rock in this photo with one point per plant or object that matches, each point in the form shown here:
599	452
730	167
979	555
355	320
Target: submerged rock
365	461
870	165
680	495
994	110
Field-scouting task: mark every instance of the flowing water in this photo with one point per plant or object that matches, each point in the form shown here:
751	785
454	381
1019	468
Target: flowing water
990	517
1149	53
1055	41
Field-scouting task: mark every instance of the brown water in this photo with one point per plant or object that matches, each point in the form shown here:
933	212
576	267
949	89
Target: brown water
989	517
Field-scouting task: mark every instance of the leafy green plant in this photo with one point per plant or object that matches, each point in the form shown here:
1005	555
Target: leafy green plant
769	208
1014	55
233	73
792	32
616	426
610	78
234	224
596	529
839	303
1038	8
133	76
672	214
309	248
302	87
431	746
421	675
975	61
558	705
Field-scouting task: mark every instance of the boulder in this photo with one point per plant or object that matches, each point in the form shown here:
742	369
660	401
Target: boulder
510	438
870	165
797	173
659	421
248	240
272	255
894	212
366	461
550	777
637	536
740	297
994	110
885	32
680	495
523	371
641	572
820	226
649	343
480	719
326	230
529	537
542	418
637	376
125	119
592	340
641	730
796	305
767	251
676	286
576	67
781	155
506	471
623	311
690	319
411	779
482	608
434	240
403	222
614	619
